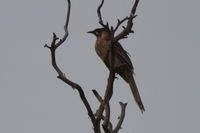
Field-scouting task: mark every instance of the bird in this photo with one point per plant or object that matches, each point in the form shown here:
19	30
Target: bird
122	64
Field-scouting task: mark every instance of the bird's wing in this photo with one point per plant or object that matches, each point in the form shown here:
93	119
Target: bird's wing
122	56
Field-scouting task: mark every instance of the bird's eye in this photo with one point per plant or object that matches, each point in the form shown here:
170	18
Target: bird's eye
96	33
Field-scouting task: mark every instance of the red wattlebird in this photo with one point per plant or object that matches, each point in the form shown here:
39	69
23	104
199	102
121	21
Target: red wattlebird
122	63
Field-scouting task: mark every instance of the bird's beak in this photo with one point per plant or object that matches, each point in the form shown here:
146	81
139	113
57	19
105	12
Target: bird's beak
92	32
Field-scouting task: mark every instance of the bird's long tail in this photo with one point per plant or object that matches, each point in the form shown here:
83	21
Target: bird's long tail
135	93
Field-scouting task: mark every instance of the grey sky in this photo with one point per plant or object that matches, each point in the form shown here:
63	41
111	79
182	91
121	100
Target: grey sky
165	51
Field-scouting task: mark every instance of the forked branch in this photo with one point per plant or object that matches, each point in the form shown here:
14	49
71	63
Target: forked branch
119	22
54	45
128	28
106	124
121	117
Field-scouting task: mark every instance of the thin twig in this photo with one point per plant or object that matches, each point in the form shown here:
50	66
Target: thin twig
121	118
66	25
99	13
100	16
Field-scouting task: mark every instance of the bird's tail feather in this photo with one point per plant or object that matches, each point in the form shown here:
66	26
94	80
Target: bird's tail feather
135	93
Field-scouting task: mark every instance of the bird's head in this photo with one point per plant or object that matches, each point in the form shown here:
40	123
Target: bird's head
99	31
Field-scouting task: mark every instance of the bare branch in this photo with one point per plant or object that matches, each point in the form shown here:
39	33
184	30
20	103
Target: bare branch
128	28
121	118
107	115
66	25
61	75
100	16
99	98
99	12
108	95
107	124
119	22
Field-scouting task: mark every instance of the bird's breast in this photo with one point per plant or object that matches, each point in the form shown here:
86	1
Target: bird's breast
102	48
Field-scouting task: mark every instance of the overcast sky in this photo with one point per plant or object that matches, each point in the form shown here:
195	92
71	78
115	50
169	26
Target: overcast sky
165	51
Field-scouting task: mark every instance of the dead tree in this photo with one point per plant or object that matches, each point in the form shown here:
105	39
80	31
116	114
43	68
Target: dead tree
99	116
